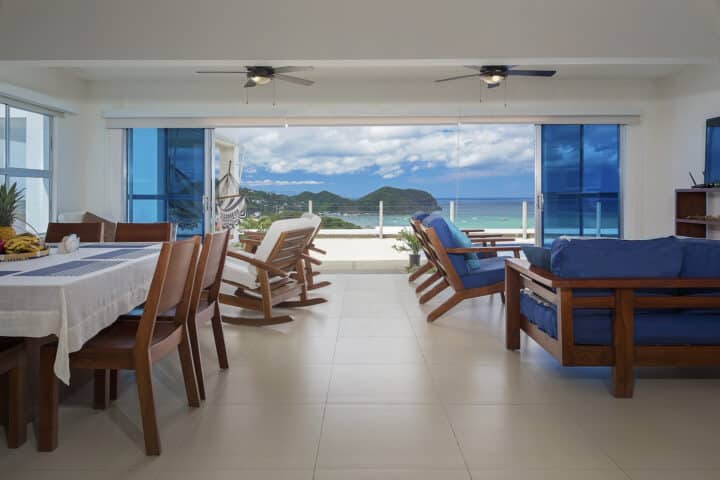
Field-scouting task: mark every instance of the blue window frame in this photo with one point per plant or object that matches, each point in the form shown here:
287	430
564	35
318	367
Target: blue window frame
166	177
580	181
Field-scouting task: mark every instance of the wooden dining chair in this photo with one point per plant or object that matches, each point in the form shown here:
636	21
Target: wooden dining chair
134	345
87	232
143	232
12	362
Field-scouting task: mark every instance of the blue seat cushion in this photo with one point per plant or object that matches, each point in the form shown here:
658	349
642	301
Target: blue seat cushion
420	216
489	271
610	258
537	256
652	327
701	259
442	230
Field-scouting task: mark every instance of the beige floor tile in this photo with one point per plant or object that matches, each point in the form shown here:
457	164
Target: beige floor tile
392	383
608	474
268	436
382	436
464	350
376	326
363	350
238	475
276	348
78	475
372	474
523	436
673	474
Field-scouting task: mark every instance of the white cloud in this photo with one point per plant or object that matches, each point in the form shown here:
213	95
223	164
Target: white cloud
387	151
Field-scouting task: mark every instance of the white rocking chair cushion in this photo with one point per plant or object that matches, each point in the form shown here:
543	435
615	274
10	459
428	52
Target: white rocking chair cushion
240	272
276	229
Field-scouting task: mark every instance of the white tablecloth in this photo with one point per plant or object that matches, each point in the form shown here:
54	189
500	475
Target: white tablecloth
73	308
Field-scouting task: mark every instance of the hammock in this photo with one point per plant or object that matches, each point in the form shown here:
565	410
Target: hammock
231	205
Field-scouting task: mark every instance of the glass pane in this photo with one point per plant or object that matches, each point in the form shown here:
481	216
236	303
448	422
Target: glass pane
29	140
601	145
186	161
712	153
187	215
561	216
601	216
146	172
146	211
561	150
2	135
35	207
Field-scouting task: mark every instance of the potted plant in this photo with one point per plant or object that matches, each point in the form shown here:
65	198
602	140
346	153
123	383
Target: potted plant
407	241
9	200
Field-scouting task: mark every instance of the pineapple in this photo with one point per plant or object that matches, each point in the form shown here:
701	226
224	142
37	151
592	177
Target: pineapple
9	199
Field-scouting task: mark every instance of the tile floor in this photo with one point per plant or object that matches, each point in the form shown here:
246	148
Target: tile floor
363	388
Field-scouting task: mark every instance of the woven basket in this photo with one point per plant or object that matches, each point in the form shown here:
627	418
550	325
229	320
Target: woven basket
15	257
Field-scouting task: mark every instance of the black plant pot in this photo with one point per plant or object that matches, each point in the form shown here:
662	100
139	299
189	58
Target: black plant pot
414	259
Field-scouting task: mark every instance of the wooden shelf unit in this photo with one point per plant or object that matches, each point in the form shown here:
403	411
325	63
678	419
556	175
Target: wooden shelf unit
693	202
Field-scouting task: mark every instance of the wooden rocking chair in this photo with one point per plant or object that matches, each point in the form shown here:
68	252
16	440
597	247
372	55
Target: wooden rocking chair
272	276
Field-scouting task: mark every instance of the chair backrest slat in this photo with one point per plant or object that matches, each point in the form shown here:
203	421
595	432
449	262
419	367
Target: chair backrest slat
442	262
208	276
143	232
289	248
87	232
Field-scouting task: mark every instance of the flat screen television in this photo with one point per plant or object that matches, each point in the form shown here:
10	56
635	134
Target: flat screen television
712	151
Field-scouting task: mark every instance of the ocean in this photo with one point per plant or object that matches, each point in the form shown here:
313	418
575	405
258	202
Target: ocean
469	213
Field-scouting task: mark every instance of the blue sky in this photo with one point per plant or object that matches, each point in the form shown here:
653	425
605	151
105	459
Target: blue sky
491	161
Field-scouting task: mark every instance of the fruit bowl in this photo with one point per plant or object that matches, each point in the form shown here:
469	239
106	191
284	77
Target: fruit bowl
14	257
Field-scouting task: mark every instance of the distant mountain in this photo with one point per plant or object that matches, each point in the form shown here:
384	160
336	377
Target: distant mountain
395	201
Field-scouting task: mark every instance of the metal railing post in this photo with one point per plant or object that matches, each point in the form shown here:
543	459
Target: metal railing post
524	220
310	206
598	219
380	218
452	211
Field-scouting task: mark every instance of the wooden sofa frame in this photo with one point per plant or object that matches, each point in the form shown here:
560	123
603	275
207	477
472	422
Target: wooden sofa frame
448	277
623	354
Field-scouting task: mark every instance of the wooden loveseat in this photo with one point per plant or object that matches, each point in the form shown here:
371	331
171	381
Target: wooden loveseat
621	304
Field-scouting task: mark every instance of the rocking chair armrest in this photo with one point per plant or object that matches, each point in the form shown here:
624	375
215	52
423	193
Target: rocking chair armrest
254	241
259	264
311	259
317	250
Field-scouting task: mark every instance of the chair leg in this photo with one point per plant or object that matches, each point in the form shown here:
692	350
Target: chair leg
432	293
502	297
113	385
429	281
48	402
416	274
186	363
443	308
216	322
101	398
17	419
143	378
197	362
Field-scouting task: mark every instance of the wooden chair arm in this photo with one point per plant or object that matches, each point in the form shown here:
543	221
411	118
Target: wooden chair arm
470	230
317	250
311	259
254	241
514	249
259	264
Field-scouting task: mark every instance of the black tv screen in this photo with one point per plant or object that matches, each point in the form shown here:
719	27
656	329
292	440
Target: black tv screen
712	151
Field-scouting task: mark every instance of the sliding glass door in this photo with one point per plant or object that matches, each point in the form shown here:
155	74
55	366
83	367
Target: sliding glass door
168	177
579	191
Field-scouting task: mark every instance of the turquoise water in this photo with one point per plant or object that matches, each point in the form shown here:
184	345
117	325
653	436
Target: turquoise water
469	213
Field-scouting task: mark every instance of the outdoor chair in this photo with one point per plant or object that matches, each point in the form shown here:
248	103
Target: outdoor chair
470	271
86	232
143	232
271	276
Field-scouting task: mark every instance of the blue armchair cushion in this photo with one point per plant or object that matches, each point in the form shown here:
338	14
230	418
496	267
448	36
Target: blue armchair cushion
652	327
442	230
420	216
489	271
537	256
463	241
610	258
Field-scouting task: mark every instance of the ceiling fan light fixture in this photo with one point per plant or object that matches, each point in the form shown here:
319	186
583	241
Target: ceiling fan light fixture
492	79
260	80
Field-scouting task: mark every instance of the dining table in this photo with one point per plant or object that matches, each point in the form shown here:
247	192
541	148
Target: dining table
70	297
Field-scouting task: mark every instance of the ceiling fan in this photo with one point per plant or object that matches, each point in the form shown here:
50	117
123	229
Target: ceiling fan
262	75
493	75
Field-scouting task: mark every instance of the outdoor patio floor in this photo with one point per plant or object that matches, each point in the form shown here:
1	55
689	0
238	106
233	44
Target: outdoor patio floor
363	388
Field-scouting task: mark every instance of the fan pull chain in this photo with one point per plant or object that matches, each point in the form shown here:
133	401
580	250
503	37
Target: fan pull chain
505	83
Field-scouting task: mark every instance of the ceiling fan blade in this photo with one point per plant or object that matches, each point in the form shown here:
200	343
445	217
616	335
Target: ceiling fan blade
249	83
295	80
293	69
457	78
533	73
221	71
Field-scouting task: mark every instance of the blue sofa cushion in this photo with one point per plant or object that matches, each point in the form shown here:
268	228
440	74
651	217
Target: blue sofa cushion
537	256
442	230
420	216
462	240
610	258
652	327
701	258
489	271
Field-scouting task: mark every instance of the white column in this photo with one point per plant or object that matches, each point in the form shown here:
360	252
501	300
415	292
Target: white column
598	219
452	211
524	219
310	206
380	218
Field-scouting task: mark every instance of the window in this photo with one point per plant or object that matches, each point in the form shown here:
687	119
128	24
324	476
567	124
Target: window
166	177
580	181
25	139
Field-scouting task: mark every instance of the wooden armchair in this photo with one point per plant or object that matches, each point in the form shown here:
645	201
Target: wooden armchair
86	232
450	261
128	344
273	275
143	232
